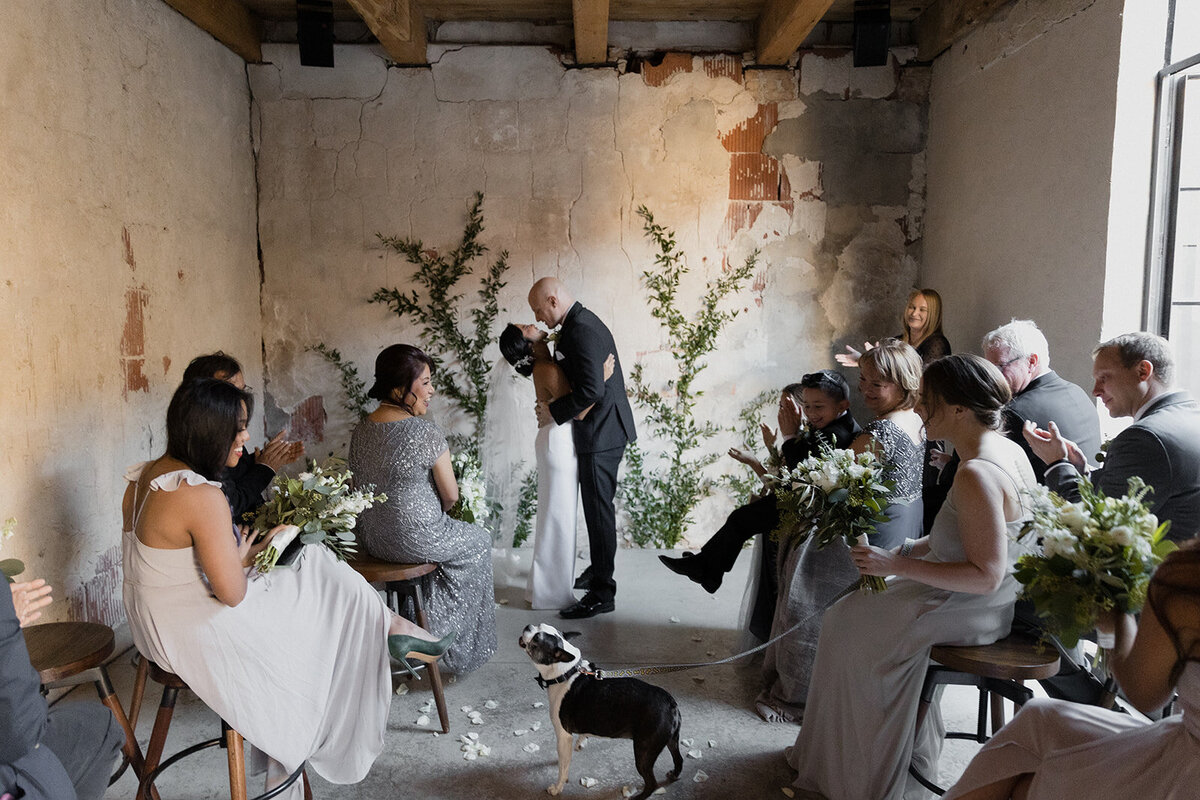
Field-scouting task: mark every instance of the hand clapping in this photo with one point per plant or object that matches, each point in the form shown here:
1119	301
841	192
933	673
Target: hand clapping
29	598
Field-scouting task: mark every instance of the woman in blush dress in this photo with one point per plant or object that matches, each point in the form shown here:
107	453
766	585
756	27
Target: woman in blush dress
296	661
407	458
551	574
954	586
810	578
1054	749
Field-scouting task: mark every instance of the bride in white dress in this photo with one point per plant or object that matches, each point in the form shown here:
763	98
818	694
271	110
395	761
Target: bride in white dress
297	662
552	575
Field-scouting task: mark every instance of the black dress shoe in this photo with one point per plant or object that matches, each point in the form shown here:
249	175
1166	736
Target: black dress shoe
584	581
587	607
692	567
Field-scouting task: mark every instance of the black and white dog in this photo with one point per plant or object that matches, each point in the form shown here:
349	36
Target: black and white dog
618	708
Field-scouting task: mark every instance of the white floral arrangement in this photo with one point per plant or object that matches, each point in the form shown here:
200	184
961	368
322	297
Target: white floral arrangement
321	503
473	505
833	495
1095	556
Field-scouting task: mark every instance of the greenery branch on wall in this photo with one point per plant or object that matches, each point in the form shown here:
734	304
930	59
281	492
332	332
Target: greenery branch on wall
659	493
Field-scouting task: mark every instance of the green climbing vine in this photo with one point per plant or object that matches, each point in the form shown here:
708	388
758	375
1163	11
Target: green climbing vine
659	493
745	481
356	402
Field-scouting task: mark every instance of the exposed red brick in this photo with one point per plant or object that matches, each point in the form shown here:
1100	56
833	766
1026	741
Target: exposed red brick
307	423
166	364
723	66
133	341
753	176
99	600
738	217
128	248
748	137
671	63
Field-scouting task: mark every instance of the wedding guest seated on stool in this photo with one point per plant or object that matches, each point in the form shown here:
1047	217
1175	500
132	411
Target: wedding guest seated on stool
245	483
824	396
59	753
1054	749
1133	378
1020	351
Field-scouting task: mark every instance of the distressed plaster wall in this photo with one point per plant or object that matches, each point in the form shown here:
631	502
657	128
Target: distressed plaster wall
1023	114
820	167
127	246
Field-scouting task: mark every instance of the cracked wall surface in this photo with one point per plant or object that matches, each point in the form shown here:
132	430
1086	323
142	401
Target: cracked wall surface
127	246
820	167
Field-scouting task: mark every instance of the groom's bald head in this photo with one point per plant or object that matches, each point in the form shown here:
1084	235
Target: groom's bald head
550	301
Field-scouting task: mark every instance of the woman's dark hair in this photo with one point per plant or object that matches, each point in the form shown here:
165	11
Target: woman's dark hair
968	381
213	365
516	350
831	383
1174	594
398	367
204	418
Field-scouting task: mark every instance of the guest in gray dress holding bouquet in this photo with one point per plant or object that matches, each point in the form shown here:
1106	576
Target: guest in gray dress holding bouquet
810	577
407	458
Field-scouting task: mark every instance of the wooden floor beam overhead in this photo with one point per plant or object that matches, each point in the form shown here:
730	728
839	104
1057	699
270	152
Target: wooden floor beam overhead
591	31
399	25
229	23
783	26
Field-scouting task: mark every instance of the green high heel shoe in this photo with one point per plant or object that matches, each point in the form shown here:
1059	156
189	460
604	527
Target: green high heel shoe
403	647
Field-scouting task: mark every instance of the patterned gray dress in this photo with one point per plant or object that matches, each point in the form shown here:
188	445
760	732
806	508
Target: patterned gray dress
398	457
810	578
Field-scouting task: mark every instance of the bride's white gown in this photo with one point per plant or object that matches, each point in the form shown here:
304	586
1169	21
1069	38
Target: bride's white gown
552	575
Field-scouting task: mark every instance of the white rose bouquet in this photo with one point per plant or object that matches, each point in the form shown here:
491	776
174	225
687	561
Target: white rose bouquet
320	503
1096	555
833	495
472	505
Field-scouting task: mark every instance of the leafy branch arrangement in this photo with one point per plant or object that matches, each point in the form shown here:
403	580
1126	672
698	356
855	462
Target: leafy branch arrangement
526	508
745	482
660	497
356	402
436	306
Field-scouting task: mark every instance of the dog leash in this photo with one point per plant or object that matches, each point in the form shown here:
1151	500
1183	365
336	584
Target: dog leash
602	674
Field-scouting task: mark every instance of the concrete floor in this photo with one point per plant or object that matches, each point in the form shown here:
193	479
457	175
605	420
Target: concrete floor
741	755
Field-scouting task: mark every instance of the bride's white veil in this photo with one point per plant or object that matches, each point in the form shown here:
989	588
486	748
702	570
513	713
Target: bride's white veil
507	441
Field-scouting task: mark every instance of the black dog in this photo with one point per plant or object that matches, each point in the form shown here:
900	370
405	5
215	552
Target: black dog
618	708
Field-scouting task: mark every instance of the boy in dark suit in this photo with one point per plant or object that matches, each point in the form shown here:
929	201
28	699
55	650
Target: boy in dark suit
825	398
584	343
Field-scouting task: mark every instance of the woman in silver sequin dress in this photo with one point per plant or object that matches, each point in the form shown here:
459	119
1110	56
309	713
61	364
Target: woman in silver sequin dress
407	458
810	578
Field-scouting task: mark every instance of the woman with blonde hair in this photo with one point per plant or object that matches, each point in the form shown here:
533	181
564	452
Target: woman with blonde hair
922	326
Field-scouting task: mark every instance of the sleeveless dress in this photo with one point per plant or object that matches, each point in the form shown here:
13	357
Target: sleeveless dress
857	738
300	667
1083	751
552	575
411	527
810	578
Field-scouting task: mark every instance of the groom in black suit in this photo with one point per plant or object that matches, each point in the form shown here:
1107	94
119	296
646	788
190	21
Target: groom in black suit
584	343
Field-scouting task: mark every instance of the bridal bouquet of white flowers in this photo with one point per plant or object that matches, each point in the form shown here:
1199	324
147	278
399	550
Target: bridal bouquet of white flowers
472	505
10	567
320	504
1096	555
833	495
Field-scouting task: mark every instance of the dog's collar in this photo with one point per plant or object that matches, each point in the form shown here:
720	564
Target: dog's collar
546	684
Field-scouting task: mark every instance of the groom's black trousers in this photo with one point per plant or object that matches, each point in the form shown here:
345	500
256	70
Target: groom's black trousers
597	488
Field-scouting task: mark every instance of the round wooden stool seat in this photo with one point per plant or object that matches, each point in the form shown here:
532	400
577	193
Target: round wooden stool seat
1015	657
168	679
60	650
376	571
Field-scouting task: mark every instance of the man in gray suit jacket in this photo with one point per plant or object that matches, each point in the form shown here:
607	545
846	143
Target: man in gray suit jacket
59	754
1133	375
1020	351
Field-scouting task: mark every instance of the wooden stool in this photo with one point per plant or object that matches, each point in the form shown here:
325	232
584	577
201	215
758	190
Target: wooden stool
71	653
230	739
999	670
402	582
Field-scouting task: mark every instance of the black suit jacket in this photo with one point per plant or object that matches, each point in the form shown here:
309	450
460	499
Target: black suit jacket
1048	397
1163	448
839	434
584	342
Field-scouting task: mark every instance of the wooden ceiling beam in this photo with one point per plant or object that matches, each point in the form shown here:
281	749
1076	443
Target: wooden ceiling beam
783	25
944	22
399	25
591	31
229	23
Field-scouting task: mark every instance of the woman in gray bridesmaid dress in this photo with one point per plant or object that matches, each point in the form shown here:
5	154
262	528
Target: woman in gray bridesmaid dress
407	458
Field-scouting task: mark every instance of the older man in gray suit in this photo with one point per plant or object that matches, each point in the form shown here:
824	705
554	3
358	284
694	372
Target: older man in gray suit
1133	375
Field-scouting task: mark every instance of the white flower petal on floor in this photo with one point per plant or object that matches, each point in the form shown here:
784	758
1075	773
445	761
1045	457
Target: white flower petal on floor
490	704
700	777
520	732
686	742
535	726
695	753
532	747
673	620
587	783
402	689
539	704
467	709
423	720
712	742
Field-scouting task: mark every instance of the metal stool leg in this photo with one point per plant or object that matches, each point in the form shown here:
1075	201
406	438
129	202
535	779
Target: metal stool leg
411	590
